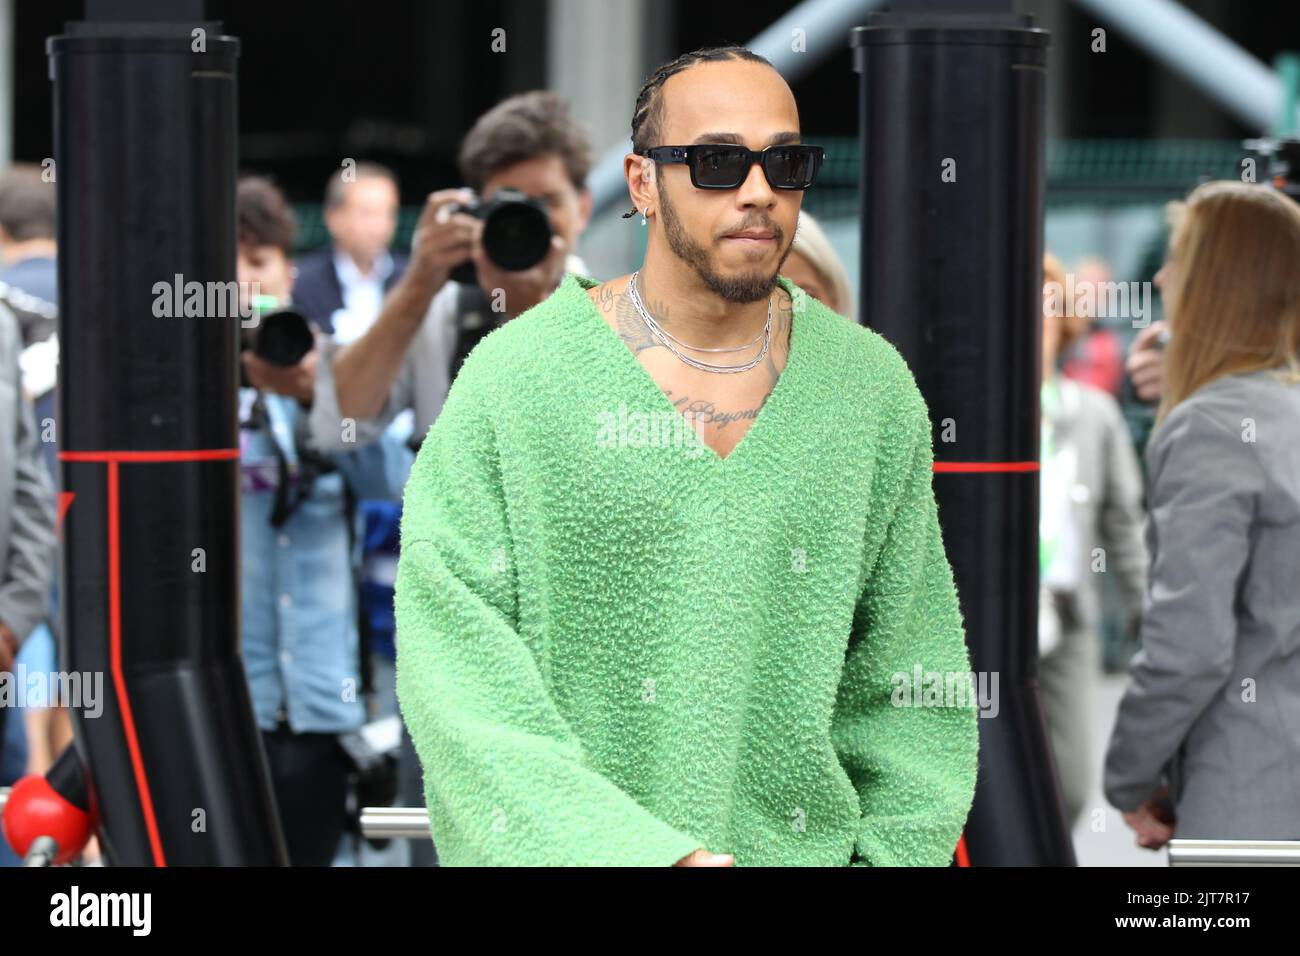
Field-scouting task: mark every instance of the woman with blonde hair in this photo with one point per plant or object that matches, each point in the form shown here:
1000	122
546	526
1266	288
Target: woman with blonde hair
814	267
1205	743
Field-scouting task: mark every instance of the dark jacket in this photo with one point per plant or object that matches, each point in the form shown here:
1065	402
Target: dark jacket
318	292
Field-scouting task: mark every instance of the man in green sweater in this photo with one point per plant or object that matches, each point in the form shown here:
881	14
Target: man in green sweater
663	603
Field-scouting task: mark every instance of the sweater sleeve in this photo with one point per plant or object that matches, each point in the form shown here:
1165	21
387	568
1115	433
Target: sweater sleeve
506	780
914	766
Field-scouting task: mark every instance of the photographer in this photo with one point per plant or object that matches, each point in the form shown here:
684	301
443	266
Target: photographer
298	553
407	359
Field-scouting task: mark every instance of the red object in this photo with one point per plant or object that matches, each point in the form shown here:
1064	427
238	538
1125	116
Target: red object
119	678
968	467
113	459
1097	360
35	810
65	502
963	858
199	454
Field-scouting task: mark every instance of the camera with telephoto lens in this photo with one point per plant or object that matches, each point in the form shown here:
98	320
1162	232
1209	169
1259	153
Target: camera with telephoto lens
516	232
280	335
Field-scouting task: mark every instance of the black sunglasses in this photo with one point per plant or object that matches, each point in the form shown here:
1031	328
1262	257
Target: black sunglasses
725	165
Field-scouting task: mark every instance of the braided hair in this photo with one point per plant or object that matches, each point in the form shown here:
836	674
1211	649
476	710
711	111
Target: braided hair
648	118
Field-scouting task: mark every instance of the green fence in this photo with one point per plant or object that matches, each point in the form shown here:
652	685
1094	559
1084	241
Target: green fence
1079	172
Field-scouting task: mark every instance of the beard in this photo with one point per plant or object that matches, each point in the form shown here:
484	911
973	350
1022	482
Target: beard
746	287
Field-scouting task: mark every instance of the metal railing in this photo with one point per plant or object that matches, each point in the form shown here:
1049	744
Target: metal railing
392	822
413	823
1234	852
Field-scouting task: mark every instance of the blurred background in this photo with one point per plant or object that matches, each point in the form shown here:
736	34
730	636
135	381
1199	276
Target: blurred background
394	81
1131	126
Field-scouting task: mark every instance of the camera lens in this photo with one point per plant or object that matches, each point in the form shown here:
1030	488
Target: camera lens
283	338
516	235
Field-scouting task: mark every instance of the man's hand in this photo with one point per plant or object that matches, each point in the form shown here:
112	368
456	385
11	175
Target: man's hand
442	239
1152	821
297	381
522	290
703	857
1146	363
8	648
365	371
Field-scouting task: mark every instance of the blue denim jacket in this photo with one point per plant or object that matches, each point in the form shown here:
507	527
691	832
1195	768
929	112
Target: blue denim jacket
298	582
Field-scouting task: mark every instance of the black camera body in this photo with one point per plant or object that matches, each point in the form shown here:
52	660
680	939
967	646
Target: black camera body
516	232
282	337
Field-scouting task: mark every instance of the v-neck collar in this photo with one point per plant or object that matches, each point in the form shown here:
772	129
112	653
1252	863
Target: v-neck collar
577	286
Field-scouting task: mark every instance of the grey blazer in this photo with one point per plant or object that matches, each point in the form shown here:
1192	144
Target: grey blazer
1213	701
27	542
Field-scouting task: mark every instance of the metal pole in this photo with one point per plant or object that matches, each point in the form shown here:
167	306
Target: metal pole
1200	54
1234	852
145	149
43	852
1288	73
7	16
390	822
952	232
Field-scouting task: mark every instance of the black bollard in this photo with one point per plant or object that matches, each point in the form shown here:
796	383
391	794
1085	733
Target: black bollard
145	160
952	130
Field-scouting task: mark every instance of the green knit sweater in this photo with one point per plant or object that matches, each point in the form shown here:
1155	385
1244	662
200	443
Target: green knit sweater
615	647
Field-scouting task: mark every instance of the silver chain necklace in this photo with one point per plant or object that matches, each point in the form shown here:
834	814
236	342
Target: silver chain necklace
666	339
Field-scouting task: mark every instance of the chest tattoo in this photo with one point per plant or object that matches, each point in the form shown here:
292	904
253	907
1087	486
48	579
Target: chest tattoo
632	330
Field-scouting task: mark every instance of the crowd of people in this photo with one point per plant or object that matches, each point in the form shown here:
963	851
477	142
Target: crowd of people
1204	546
1204	742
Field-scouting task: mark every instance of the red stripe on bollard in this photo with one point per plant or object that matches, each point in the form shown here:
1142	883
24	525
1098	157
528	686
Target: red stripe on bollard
966	467
113	459
197	454
119	681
